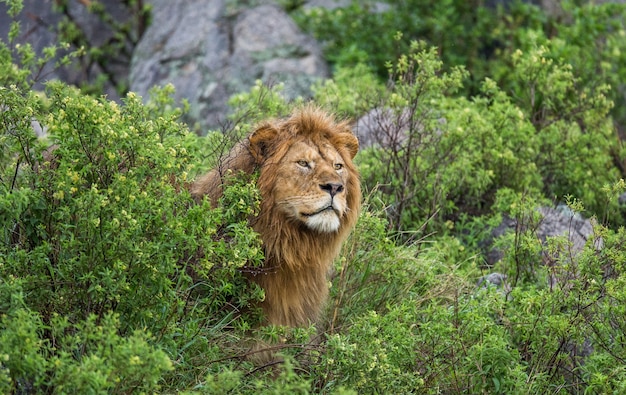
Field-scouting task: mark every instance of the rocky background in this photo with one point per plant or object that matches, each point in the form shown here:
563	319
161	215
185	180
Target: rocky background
208	49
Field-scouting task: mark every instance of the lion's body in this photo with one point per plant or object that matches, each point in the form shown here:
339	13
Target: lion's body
310	200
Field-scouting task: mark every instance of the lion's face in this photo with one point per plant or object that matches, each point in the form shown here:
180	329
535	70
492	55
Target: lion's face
311	186
307	172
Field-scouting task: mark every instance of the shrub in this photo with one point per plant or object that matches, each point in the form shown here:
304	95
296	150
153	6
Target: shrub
437	333
100	241
442	156
480	37
431	336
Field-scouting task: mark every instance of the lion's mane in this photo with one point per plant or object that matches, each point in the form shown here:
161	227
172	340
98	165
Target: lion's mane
297	259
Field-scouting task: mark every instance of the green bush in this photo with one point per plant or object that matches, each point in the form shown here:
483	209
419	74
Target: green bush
437	333
442	156
112	280
105	259
479	36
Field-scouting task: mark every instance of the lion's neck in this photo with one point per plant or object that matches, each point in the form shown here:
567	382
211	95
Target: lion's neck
294	247
298	260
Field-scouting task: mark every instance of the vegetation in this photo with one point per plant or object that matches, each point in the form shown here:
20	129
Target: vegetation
112	280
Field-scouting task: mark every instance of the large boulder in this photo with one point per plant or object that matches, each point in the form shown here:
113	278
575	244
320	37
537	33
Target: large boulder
209	51
559	221
555	221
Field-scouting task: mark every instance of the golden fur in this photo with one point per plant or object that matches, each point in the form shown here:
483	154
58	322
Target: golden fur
310	200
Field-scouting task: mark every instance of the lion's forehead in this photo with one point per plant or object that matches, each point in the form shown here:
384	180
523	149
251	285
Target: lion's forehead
306	150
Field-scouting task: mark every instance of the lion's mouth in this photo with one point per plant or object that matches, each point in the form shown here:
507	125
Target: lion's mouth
327	208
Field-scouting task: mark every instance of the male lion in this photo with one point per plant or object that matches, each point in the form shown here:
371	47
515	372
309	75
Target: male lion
310	200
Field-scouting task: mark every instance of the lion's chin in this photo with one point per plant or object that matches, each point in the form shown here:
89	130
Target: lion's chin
326	221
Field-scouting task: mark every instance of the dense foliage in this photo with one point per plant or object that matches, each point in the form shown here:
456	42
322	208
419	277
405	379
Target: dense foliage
480	36
460	151
112	280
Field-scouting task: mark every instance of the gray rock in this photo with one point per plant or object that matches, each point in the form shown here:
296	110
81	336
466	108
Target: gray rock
386	128
557	221
494	255
382	127
210	51
497	280
561	221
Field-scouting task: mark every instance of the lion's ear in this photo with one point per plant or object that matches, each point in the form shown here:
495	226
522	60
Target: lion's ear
260	141
348	140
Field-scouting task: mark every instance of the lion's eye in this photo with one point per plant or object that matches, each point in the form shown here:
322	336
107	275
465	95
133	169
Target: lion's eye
338	166
303	163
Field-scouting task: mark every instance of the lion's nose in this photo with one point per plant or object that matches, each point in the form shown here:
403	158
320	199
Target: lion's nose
332	188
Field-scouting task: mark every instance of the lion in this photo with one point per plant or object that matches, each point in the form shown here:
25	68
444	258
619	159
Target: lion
310	201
